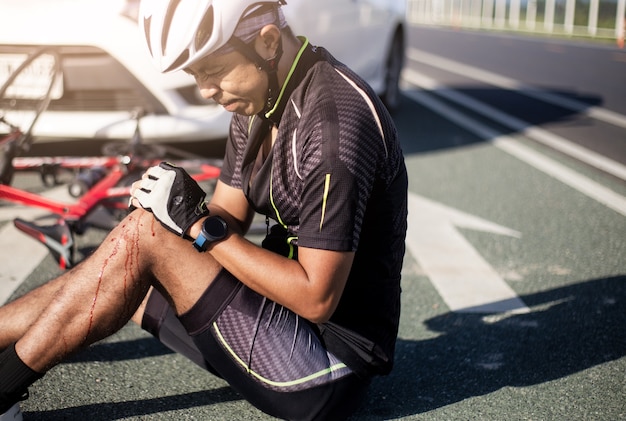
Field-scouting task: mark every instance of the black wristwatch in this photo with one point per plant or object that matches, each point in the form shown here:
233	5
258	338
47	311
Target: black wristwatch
214	228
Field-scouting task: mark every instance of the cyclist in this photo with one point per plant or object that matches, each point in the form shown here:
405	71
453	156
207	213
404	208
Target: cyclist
299	325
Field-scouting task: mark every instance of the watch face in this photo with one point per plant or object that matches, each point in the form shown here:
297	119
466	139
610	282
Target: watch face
215	227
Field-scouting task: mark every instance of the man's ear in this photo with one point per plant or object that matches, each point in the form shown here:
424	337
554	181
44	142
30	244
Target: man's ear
266	43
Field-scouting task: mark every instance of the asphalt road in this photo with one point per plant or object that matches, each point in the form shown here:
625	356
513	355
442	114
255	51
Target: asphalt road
514	282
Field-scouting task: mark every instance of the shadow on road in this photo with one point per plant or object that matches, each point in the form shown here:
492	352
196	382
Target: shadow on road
569	330
137	408
422	130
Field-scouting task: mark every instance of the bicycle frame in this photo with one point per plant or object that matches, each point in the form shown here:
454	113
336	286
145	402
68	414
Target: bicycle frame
103	190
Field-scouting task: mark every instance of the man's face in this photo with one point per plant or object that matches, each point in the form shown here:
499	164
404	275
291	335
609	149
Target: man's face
232	81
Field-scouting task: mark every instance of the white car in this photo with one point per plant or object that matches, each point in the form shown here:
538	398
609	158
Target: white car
107	72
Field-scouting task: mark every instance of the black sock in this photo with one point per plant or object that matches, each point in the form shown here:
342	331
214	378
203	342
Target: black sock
15	377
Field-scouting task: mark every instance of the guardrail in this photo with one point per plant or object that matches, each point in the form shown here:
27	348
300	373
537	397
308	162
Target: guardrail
603	19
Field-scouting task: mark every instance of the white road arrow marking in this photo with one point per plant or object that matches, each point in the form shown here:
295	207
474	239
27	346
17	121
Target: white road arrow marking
465	281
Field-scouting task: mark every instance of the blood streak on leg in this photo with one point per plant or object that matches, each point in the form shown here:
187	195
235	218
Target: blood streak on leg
131	253
132	261
95	298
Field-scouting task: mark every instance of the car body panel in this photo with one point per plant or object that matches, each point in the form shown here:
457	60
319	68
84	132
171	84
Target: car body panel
348	29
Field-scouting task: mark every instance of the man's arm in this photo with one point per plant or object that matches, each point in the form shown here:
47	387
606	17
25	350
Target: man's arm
310	286
233	202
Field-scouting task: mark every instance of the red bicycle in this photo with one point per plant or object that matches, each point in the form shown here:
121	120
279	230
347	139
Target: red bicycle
103	183
100	183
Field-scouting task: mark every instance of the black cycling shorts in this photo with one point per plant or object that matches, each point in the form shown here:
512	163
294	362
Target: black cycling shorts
270	355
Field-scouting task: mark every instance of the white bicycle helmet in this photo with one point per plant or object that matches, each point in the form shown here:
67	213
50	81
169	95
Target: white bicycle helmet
180	32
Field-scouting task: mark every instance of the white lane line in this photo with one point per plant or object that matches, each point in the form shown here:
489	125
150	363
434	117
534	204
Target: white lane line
19	253
543	136
550	167
495	79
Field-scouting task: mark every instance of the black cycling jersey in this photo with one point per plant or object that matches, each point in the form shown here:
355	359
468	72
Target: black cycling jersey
335	179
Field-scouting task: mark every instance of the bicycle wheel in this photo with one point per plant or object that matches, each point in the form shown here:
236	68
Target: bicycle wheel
27	92
7	153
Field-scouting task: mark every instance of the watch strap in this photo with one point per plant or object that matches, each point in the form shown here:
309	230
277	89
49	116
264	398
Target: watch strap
200	243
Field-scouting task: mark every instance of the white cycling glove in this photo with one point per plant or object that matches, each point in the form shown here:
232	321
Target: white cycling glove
173	197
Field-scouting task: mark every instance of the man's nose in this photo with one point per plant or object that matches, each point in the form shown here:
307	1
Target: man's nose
208	90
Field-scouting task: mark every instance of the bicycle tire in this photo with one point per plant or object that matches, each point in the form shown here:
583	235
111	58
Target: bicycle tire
23	99
7	153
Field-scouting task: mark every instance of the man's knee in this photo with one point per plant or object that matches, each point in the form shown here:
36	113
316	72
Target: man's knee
142	226
139	236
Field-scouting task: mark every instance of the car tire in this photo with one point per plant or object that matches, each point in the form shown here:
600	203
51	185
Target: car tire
393	70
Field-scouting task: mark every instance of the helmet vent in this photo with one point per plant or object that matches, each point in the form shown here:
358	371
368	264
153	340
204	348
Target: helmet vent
179	61
146	28
205	29
167	24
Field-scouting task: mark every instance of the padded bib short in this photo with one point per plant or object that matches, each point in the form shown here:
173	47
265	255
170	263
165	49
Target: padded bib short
270	355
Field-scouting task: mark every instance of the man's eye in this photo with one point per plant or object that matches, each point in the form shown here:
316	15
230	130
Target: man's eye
204	76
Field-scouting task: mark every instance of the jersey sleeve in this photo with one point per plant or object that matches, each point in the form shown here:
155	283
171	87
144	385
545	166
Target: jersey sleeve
230	173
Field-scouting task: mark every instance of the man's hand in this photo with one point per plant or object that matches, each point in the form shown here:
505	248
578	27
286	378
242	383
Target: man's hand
173	197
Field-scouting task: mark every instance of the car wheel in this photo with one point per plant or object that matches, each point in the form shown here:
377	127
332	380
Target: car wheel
395	62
